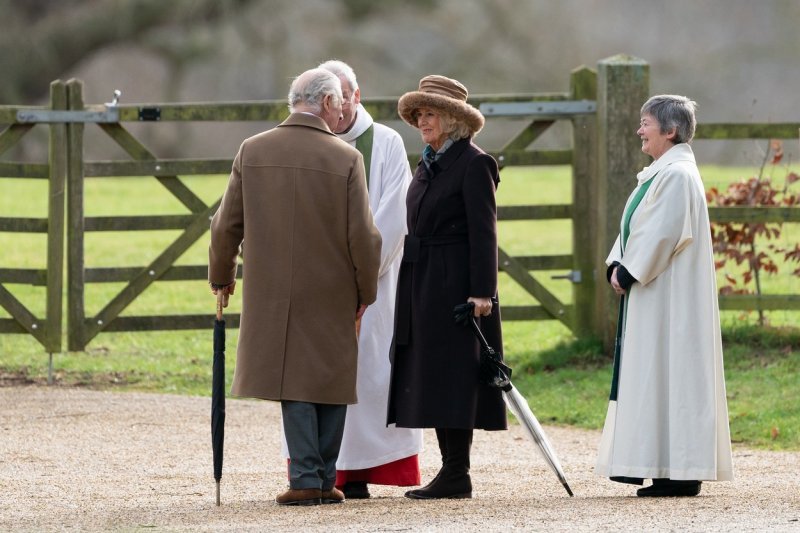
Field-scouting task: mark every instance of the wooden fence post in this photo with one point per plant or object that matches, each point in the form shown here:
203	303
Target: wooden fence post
57	163
583	86
623	85
75	260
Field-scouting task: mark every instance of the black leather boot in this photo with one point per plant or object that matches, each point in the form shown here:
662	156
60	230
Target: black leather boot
453	479
670	487
355	490
441	439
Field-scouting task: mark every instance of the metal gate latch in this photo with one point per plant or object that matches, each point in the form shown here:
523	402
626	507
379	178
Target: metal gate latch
573	275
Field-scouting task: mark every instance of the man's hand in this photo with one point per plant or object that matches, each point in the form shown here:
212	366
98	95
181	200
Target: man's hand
227	290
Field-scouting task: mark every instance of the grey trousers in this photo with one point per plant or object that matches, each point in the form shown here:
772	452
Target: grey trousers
313	435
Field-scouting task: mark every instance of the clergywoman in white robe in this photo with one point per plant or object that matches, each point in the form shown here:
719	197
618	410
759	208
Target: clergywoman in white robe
667	416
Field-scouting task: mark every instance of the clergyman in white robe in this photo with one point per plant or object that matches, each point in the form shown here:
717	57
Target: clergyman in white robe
367	441
670	417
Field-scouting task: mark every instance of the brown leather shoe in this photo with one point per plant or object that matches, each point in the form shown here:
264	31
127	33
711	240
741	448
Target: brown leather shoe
300	497
332	496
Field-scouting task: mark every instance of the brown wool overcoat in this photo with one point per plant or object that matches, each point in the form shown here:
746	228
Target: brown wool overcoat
297	204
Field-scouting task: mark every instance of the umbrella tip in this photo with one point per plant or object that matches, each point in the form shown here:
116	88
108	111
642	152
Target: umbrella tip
218	493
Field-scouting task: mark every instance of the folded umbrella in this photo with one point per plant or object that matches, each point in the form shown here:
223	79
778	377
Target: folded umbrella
519	406
218	390
495	373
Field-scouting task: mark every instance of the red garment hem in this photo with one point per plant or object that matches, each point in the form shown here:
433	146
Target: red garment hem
400	473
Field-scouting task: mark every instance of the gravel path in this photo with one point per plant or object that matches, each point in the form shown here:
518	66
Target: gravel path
100	461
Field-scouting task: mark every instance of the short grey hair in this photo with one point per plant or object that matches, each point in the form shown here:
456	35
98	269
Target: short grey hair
673	111
454	128
311	88
343	70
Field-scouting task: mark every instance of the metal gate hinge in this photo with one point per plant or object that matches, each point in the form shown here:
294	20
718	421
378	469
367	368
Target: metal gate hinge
107	113
32	116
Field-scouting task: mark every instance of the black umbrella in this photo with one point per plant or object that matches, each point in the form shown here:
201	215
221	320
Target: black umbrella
494	373
218	390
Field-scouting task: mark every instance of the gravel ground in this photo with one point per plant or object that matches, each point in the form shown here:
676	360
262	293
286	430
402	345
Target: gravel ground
99	461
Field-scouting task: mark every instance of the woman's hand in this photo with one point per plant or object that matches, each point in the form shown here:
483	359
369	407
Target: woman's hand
483	306
615	283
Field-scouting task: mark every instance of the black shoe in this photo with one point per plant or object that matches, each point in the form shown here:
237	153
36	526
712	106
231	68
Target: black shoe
444	487
355	490
670	487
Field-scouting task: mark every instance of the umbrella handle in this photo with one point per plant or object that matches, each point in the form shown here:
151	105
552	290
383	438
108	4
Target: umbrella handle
220	302
478	331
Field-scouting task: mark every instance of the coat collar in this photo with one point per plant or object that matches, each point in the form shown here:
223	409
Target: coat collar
679	152
362	123
448	158
308	120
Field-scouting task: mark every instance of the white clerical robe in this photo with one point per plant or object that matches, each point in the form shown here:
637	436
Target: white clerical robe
670	419
367	441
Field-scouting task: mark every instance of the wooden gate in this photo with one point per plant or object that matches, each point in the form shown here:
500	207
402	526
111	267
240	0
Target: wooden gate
82	328
68	118
45	328
541	113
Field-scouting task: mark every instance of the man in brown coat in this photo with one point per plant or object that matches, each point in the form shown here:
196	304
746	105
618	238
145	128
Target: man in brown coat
297	204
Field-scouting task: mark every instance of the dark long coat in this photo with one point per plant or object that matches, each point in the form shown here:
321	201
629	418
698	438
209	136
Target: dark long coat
450	255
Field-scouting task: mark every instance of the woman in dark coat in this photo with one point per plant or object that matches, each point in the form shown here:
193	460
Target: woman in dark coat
450	257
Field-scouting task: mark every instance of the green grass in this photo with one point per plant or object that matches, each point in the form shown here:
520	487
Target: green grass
569	385
565	380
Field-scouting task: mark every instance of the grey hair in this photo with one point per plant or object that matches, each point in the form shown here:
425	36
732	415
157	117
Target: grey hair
343	70
454	128
673	111
311	88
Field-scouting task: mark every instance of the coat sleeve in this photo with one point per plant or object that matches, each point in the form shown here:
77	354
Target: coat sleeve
662	229
479	202
363	238
227	229
615	255
390	211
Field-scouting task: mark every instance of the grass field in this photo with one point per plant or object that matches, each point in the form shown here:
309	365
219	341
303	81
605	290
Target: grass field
565	380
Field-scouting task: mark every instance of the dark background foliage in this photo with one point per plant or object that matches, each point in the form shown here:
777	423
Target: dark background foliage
737	58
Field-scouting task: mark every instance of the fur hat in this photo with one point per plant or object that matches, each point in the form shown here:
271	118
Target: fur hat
445	94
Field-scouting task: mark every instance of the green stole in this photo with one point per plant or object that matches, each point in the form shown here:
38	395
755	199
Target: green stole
364	145
625	233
